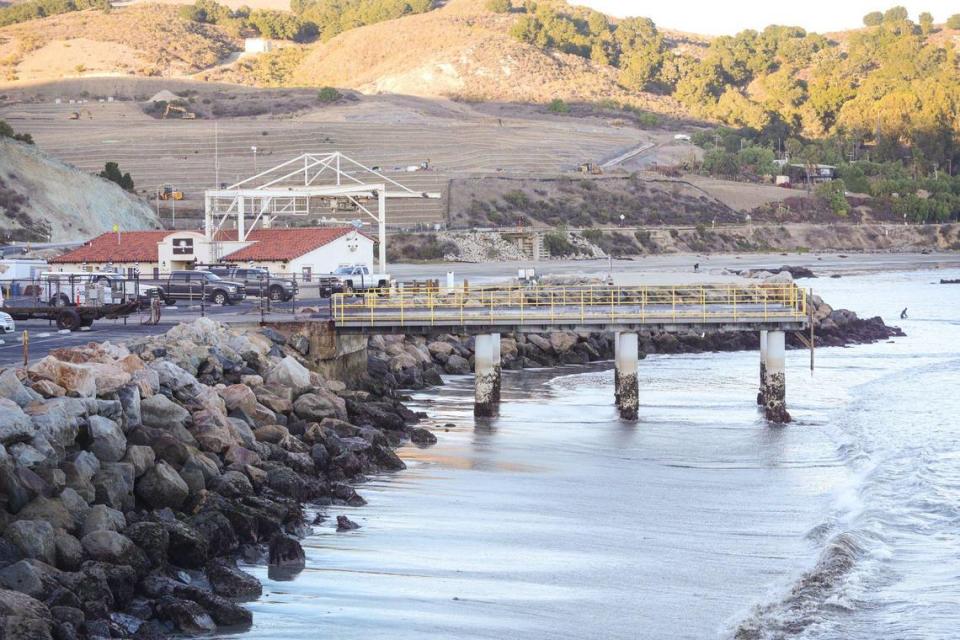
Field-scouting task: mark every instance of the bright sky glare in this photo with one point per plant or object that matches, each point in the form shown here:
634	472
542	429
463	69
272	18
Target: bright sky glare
710	17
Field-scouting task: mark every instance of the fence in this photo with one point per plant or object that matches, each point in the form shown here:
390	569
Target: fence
574	305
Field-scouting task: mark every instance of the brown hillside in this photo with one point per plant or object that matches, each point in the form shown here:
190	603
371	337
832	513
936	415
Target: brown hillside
460	51
147	40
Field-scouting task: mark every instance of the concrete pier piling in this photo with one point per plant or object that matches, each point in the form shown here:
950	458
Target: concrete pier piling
487	367
495	343
627	389
616	368
775	387
763	369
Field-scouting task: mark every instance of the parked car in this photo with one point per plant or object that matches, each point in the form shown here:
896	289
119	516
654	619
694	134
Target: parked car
6	323
258	282
197	285
357	277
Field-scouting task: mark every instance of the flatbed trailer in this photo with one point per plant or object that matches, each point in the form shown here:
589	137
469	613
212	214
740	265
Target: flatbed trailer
73	317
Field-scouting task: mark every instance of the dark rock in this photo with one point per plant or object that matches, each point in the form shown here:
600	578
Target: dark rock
162	487
215	528
421	436
229	581
69	551
187	616
285	551
34	539
153	538
187	548
346	524
114	485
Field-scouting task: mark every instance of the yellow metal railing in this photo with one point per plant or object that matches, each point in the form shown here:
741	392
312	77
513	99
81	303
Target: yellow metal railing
571	304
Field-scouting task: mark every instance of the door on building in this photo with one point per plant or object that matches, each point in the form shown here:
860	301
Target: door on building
307	273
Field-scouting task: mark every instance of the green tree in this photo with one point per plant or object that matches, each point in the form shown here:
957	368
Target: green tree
926	22
6	131
896	14
873	19
499	6
953	22
111	171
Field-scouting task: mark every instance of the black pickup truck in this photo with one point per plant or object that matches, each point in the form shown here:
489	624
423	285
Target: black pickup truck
258	282
196	285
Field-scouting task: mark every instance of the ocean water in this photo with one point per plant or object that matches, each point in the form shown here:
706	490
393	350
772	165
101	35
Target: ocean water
557	520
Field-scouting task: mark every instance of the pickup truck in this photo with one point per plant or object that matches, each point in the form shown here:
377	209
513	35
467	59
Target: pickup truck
357	277
258	282
194	285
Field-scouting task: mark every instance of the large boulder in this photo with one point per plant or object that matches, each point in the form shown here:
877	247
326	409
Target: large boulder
34	539
107	441
239	397
229	581
12	389
317	406
103	518
161	412
58	418
456	365
142	457
114	486
15	425
23	617
108	546
66	511
162	487
289	373
563	341
77	379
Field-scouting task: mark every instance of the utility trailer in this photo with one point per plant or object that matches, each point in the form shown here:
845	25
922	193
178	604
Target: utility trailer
73	317
75	300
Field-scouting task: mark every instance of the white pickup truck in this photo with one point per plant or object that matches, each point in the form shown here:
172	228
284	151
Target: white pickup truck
357	277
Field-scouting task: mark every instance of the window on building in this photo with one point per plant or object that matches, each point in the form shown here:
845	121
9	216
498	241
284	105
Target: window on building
183	246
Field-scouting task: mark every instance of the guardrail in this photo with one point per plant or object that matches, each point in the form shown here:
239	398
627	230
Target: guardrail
574	304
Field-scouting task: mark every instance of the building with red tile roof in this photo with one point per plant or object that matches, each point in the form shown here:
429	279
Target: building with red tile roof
303	251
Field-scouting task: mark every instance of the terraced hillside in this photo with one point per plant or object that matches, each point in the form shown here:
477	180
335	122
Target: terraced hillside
390	132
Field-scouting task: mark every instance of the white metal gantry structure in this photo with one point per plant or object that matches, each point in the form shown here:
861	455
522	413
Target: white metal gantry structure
287	189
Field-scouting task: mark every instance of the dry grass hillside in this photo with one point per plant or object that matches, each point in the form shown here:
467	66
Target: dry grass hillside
144	40
42	198
460	50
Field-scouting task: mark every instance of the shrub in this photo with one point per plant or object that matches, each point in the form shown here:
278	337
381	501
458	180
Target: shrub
6	131
111	171
558	106
499	6
953	22
328	94
557	243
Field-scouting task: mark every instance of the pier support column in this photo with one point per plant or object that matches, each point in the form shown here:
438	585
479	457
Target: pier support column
775	389
487	367
627	390
495	339
616	368
763	368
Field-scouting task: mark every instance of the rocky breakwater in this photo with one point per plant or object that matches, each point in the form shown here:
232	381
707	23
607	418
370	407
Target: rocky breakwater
131	478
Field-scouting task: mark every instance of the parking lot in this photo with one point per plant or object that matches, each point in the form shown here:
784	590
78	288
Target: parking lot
44	335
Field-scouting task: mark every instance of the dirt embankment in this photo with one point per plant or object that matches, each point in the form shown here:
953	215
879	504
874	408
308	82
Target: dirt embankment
42	198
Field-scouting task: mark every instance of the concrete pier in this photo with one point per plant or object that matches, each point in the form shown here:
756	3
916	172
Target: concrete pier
775	388
763	368
627	389
498	372
487	367
616	368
